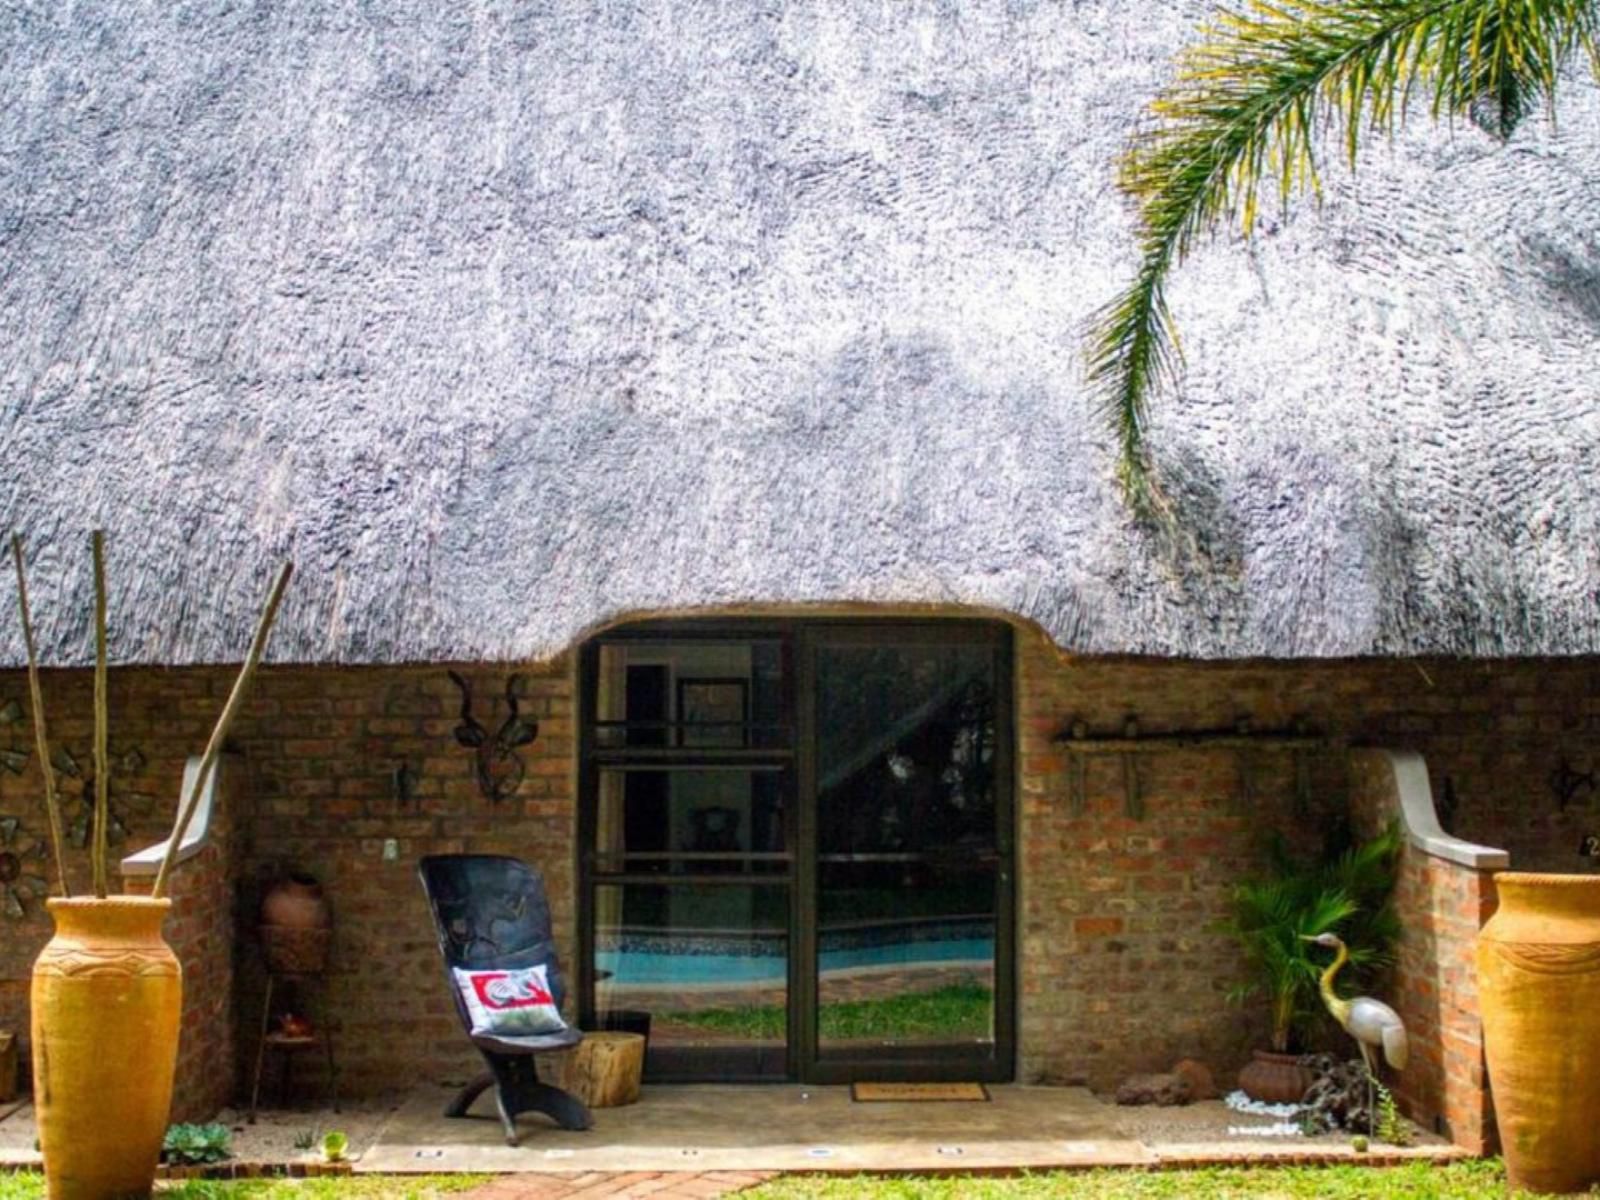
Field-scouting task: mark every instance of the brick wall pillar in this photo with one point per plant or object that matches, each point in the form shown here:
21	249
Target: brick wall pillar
200	930
1444	895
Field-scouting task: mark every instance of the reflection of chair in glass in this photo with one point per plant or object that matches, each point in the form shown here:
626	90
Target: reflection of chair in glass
490	913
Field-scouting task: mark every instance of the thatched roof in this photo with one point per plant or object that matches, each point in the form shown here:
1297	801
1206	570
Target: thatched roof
507	319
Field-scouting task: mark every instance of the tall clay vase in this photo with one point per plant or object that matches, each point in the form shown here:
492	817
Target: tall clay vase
1539	985
107	991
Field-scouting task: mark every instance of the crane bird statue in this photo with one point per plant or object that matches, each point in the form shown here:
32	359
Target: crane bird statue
1372	1023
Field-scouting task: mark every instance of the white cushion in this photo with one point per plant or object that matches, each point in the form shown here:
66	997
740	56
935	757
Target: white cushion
510	1003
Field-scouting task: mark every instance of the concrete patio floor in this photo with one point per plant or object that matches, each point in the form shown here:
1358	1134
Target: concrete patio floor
806	1128
712	1129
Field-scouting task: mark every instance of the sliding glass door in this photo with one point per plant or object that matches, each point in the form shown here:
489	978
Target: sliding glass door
796	848
909	879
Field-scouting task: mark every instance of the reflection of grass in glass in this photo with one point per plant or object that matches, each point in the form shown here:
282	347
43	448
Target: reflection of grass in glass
956	1010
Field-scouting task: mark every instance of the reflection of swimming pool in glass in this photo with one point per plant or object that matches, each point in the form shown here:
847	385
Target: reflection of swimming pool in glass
645	967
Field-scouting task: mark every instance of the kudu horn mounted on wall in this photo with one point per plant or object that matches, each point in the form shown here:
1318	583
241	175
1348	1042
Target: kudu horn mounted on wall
499	768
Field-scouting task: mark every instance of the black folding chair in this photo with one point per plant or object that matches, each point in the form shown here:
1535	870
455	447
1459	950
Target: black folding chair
491	914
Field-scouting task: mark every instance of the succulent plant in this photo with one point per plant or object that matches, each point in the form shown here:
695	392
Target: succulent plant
197	1144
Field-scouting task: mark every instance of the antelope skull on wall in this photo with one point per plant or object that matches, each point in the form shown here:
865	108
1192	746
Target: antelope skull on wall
498	766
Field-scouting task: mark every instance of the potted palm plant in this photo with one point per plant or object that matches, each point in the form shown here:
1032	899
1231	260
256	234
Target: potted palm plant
107	989
1348	890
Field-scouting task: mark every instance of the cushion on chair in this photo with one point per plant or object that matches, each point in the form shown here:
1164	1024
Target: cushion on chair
515	1003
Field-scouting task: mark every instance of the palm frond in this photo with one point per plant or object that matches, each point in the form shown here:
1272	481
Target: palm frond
1248	108
1367	868
1323	914
1511	57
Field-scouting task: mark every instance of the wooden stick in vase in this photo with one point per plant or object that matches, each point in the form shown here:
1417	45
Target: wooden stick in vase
229	710
102	719
52	804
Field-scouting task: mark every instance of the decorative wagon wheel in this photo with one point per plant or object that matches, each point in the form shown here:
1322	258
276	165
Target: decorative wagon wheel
11	758
20	854
120	808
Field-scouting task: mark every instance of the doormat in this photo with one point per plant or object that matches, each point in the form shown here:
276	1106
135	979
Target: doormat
872	1093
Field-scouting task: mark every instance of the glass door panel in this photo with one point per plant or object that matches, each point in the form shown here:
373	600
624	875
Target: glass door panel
694	697
689	781
909	877
691	821
708	964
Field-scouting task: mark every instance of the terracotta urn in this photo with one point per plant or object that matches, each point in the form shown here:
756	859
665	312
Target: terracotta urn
1275	1078
1539	988
295	902
107	993
296	926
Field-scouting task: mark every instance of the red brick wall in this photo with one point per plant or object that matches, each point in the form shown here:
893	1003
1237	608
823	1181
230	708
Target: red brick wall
323	746
316	792
164	716
1119	970
201	932
1435	987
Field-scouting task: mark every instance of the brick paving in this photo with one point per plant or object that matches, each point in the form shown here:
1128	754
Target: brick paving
619	1185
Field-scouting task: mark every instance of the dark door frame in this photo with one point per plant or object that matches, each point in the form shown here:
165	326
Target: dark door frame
800	637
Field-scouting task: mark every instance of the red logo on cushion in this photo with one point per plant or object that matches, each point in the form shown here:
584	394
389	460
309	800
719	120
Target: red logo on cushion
498	991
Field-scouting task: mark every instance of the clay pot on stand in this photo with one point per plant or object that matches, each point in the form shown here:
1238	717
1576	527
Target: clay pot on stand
1539	987
295	926
107	994
1275	1078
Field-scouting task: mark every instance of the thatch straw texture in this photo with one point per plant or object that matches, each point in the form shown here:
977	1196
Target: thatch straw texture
504	318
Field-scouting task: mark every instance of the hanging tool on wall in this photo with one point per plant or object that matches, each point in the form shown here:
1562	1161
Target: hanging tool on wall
1078	775
1132	799
1129	746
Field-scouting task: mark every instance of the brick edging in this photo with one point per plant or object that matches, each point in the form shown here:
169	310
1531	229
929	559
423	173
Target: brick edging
252	1169
1173	1162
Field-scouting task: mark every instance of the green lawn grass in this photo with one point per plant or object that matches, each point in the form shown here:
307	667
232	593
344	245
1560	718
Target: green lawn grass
28	1186
1422	1181
957	1010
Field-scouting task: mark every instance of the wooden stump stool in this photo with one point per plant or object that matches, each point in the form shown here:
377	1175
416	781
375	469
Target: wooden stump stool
8	1066
603	1070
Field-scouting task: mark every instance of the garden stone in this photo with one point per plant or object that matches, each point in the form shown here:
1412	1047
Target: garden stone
1202	1085
1162	1090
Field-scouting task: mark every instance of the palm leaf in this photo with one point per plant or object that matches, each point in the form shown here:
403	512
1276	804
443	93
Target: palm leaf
1248	109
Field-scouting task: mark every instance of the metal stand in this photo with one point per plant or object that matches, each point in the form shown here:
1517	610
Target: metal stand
287	1045
1372	1095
